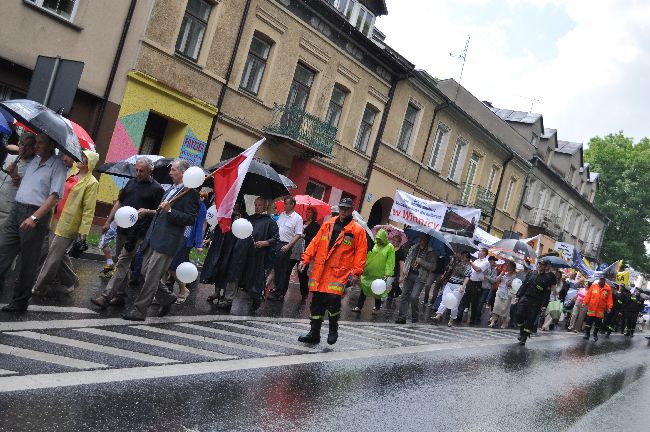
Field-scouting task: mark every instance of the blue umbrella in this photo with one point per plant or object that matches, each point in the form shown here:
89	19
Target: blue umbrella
437	242
5	121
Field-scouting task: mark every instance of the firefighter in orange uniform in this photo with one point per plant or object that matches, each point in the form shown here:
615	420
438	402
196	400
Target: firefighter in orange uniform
599	300
338	250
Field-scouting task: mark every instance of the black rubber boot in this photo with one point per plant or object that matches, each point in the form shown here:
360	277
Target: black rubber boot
595	335
313	337
522	333
632	333
587	332
522	338
333	334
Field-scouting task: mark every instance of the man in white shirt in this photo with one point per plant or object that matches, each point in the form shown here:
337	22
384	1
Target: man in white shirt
472	297
290	227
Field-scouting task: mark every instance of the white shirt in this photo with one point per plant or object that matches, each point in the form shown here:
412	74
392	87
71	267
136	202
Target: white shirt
289	226
484	265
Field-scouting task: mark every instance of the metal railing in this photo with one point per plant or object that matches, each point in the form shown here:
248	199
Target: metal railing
545	219
298	125
477	196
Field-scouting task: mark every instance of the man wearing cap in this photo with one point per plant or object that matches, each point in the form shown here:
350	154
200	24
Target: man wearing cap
532	297
338	250
599	300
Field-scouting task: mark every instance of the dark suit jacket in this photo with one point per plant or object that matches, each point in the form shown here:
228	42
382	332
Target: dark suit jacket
166	232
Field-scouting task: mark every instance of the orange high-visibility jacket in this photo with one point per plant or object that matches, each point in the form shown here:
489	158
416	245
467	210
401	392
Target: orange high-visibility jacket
598	300
332	267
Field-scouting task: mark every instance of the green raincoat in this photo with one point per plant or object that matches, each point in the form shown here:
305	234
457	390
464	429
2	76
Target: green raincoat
379	264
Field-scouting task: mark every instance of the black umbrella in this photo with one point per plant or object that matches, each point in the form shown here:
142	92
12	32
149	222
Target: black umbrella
514	246
460	243
556	262
288	182
43	120
261	180
126	168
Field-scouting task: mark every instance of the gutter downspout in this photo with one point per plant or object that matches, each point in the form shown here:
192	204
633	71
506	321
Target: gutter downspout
222	93
436	110
380	135
496	198
116	63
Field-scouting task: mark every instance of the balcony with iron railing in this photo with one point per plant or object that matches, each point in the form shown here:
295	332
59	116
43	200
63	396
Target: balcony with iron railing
546	220
477	196
305	130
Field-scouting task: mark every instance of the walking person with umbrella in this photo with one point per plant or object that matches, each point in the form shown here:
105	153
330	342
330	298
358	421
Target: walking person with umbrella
13	172
25	229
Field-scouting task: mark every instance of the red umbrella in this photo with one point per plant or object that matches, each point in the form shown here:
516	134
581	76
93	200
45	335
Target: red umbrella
85	140
303	202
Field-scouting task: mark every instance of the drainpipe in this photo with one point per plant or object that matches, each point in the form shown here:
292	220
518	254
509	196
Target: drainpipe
496	198
436	110
380	134
222	93
113	72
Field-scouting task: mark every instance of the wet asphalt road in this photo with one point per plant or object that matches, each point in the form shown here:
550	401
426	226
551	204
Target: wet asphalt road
420	377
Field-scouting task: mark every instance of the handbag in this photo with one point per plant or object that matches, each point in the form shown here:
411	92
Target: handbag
298	249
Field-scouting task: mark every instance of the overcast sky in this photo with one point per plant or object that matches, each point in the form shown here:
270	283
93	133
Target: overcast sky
582	64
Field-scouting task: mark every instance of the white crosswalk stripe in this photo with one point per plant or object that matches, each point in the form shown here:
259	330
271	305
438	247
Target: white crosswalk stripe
382	333
74	343
59	309
208	340
408	333
6	372
49	358
248	337
355	342
156	343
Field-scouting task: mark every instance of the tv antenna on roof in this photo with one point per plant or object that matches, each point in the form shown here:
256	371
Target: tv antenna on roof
532	101
463	56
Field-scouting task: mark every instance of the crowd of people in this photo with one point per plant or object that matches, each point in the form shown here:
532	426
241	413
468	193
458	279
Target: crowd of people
47	205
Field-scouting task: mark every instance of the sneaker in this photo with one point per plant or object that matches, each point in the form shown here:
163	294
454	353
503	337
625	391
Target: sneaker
450	323
400	321
356	309
375	311
437	317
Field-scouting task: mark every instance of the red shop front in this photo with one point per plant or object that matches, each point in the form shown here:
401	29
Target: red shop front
321	183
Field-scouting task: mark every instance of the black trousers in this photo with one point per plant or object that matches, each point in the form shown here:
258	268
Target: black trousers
629	320
283	269
362	300
592	321
303	277
324	302
527	312
28	244
611	320
471	299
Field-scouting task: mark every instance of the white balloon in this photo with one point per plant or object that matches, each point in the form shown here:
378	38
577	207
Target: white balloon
516	283
242	228
193	177
126	217
378	286
211	216
450	301
187	272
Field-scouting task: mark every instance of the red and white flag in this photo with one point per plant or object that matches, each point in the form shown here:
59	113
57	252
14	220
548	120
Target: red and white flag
227	183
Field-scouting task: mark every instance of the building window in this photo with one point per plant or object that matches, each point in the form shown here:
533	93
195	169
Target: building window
303	78
511	189
493	176
456	165
64	8
346	7
315	190
407	127
365	19
363	137
440	143
336	106
193	28
255	64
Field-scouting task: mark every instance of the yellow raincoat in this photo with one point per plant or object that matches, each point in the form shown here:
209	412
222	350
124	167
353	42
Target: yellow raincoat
79	209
